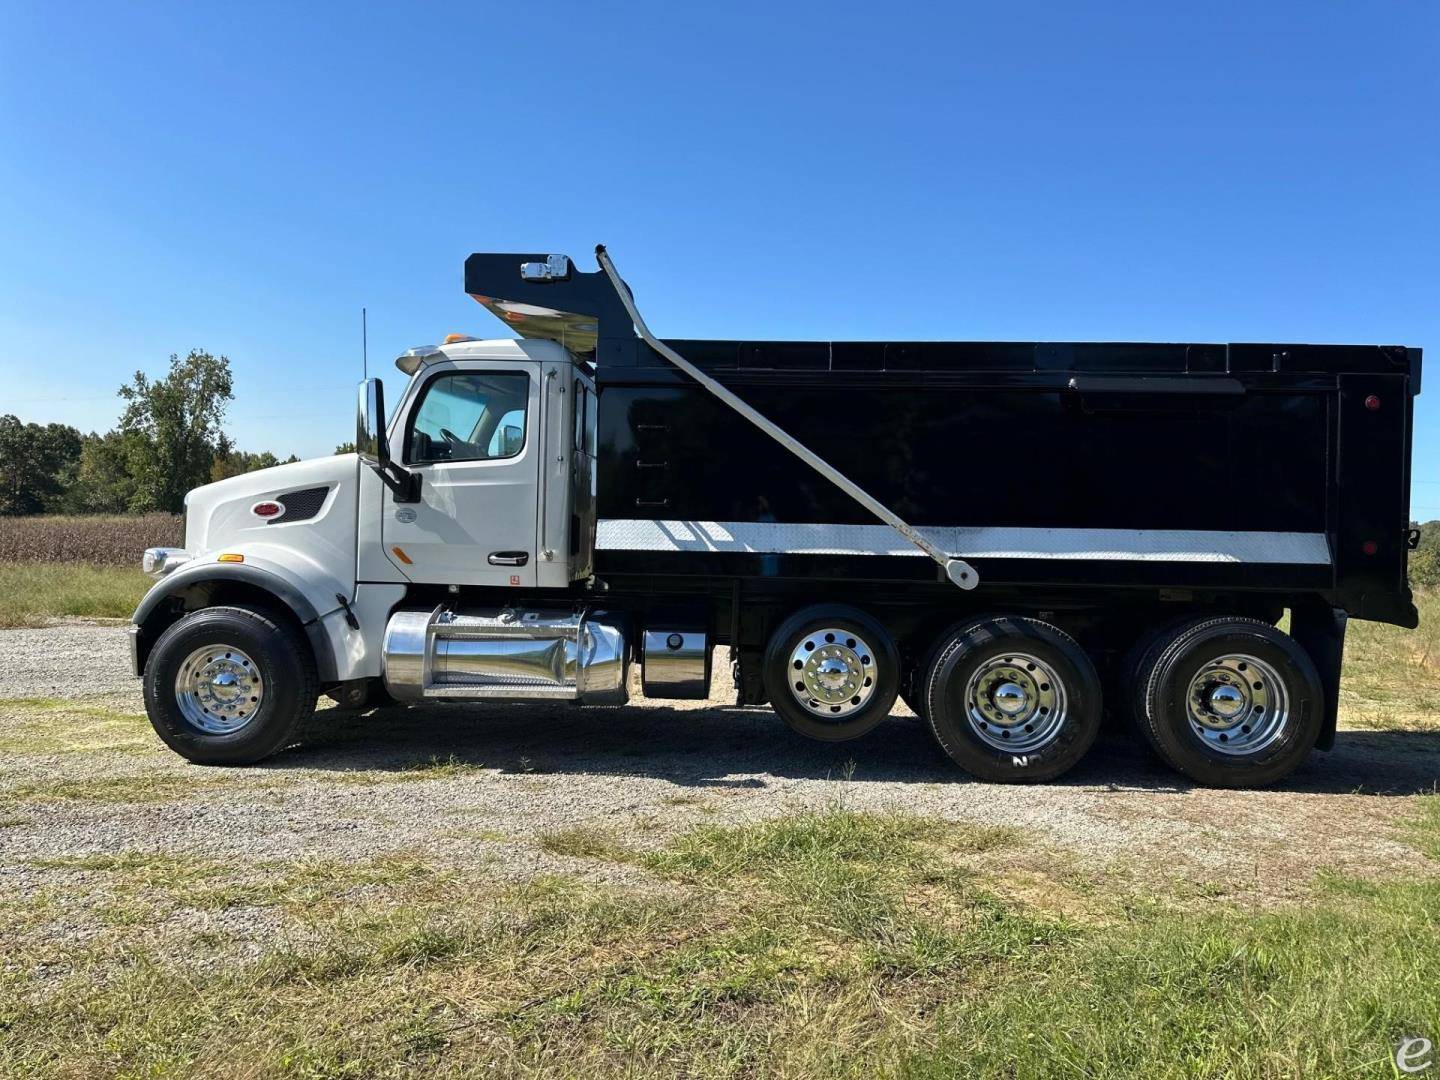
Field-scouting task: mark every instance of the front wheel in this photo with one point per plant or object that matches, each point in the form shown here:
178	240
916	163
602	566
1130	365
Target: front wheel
230	686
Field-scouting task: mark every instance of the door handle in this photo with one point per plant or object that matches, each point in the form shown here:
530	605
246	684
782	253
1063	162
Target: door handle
509	558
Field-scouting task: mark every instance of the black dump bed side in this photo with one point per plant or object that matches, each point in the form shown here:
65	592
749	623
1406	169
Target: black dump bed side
1067	463
1270	467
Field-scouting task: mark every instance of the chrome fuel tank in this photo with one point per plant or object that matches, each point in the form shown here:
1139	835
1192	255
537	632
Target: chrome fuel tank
506	654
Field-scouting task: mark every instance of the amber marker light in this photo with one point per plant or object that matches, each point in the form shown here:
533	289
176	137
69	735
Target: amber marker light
403	557
231	556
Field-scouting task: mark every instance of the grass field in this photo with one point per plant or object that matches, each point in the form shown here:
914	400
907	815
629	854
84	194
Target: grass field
825	944
31	593
100	540
88	567
830	942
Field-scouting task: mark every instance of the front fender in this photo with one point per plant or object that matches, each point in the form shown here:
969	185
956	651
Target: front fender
309	598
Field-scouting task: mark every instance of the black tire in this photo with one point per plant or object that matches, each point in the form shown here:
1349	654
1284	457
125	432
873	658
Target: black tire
968	650
1163	713
283	659
1136	664
883	668
914	689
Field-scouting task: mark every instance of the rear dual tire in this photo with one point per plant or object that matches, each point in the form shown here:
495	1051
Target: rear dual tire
1011	699
1229	702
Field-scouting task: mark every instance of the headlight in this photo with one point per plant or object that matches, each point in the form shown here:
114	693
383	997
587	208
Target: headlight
160	561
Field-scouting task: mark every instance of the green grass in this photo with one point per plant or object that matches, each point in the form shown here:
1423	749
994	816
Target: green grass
823	944
583	842
1392	676
32	592
1423	830
65	726
139	788
164	883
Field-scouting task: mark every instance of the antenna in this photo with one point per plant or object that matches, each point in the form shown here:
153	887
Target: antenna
364	345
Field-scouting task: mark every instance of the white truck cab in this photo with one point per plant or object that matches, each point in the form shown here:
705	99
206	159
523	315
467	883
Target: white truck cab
484	477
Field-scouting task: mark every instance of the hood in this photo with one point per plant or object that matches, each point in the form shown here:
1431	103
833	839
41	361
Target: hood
312	494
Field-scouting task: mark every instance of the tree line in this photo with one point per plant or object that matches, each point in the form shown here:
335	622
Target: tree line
169	439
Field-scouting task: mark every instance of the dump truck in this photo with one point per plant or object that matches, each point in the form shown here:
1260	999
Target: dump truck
1018	540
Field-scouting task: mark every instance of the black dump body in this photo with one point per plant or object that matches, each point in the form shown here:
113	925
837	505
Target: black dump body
1071	469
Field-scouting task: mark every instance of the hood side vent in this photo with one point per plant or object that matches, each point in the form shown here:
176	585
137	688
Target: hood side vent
300	505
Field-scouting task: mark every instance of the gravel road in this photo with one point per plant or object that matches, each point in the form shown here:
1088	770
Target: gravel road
481	784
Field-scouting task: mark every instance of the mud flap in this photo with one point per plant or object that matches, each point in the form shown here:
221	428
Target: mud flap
1320	630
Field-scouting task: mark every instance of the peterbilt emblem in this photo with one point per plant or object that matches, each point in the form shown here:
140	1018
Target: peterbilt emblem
405	515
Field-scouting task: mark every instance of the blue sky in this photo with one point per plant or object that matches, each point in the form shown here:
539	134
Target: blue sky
245	177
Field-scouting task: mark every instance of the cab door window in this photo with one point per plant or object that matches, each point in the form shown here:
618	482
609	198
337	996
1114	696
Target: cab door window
465	416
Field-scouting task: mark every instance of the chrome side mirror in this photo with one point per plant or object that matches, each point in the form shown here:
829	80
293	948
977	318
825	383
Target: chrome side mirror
370	440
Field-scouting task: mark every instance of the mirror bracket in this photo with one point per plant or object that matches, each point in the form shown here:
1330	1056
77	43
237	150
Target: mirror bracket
404	485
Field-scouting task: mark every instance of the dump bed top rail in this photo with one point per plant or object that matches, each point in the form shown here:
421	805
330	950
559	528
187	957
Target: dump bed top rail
541	295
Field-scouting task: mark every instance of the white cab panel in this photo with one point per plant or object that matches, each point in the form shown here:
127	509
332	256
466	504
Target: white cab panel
475	521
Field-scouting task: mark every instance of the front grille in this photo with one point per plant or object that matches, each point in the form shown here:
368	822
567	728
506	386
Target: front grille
301	505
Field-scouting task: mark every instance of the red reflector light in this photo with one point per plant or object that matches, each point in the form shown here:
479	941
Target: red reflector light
267	509
1372	402
1370	547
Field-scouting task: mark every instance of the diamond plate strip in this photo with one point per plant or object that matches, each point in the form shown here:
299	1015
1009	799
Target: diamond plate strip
1143	545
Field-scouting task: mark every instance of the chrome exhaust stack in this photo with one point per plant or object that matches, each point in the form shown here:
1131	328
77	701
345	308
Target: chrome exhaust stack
507	654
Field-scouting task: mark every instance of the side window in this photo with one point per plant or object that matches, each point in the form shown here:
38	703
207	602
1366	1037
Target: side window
470	417
584	419
582	406
592	420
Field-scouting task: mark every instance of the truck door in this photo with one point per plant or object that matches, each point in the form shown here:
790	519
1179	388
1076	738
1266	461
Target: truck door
472	434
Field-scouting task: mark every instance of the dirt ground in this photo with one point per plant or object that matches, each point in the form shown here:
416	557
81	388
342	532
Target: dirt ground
483	785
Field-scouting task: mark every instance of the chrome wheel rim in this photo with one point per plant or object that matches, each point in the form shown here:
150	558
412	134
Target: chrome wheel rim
219	689
1237	704
832	673
1015	702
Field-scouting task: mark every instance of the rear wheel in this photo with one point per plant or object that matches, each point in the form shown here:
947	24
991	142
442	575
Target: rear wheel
1229	702
832	672
230	685
1012	699
1135	666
